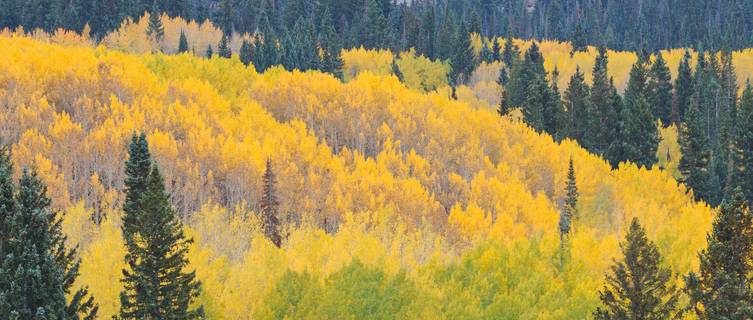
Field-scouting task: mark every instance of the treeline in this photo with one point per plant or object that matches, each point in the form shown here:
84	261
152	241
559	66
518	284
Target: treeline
715	124
426	24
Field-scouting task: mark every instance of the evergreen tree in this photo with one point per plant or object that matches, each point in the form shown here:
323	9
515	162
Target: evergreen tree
723	288
639	134
659	90
269	220
223	48
31	282
577	108
374	27
209	52
638	287
496	50
533	108
329	43
603	121
137	169
553	109
570	210
155	31
246	52
742	155
522	73
683	88
462	60
579	41
182	42
447	37
615	152
695	161
155	282
510	53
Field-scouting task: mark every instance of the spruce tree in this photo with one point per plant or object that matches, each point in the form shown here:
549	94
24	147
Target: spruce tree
637	286
742	155
182	42
533	108
246	53
696	157
659	90
223	48
577	107
510	53
639	135
396	70
723	288
683	88
137	169
496	50
603	121
462	60
155	282
209	52
154	30
553	109
570	210
269	221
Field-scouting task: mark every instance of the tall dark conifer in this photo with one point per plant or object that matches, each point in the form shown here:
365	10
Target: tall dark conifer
182	42
577	107
156	284
638	286
683	88
742	149
603	121
723	288
696	156
659	90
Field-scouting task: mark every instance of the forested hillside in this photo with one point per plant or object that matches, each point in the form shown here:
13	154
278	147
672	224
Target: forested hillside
407	160
425	24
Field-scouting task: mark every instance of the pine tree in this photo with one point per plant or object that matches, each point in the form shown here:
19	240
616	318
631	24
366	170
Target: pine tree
510	53
723	289
683	88
639	135
447	37
742	155
155	282
32	284
137	169
462	60
533	109
695	161
496	50
553	109
659	90
209	52
246	53
182	42
374	27
522	73
223	48
579	41
638	287
155	31
329	43
269	220
570	210
577	106
603	121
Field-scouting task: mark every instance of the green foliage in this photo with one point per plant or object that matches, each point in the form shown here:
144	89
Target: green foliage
696	154
638	287
683	88
463	60
722	289
182	42
578	107
223	48
659	90
155	30
246	53
603	119
742	155
156	284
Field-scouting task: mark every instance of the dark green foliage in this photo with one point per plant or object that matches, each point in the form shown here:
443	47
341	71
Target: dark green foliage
155	282
268	207
374	29
742	155
683	88
182	43
578	39
246	53
496	51
223	48
396	70
577	108
510	53
638	286
533	108
155	30
639	136
209	52
462	60
523	73
37	269
570	210
696	154
722	288
659	90
603	119
137	169
329	43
